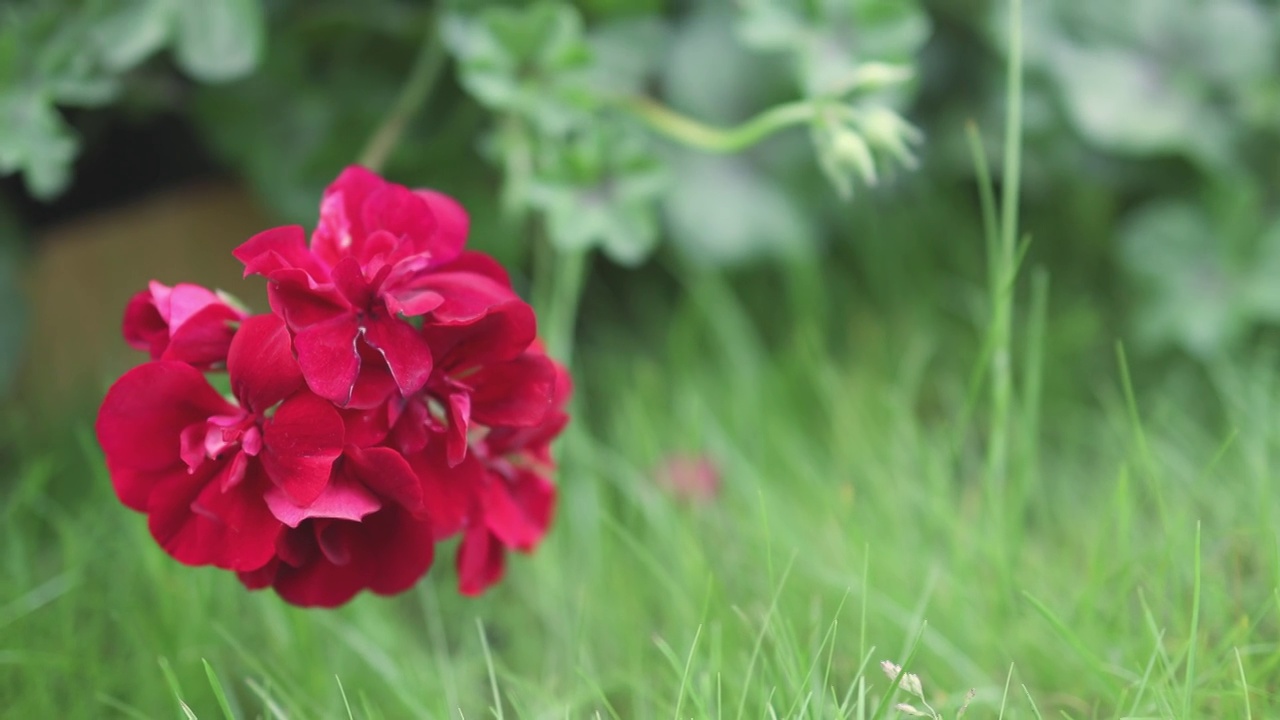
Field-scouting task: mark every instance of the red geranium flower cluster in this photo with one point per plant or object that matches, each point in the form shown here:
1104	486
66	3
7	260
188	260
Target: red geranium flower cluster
395	396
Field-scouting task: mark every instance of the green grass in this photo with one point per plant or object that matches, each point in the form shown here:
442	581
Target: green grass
1137	578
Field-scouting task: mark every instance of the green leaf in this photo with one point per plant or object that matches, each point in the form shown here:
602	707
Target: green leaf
1189	296
532	62
219	40
133	31
1262	292
626	53
707	74
1123	100
723	211
601	191
36	141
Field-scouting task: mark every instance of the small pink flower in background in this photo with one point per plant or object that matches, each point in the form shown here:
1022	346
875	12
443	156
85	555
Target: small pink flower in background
395	397
187	323
688	477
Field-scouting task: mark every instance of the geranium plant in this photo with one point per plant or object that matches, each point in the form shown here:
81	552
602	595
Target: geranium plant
394	397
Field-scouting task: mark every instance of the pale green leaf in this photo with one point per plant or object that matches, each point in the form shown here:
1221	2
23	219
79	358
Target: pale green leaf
219	40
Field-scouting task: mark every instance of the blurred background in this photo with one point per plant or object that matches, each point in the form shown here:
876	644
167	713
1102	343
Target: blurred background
758	227
145	139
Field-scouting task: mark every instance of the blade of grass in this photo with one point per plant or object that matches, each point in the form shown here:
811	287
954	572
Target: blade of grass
1063	631
759	642
345	703
493	676
1004	697
1244	685
1193	637
264	695
218	693
172	680
1035	710
1140	436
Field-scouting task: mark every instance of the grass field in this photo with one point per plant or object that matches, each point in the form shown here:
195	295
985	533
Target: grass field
1126	565
912	482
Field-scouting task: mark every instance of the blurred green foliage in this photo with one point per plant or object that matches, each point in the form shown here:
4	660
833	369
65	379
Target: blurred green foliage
1153	126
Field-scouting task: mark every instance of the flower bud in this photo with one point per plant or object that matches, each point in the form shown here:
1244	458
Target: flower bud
873	76
851	151
886	130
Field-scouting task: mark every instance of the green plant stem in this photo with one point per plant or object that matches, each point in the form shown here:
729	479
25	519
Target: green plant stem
709	138
568	272
1003	276
414	94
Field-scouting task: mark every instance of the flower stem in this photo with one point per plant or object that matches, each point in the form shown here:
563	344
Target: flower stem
416	90
569	271
709	138
1004	271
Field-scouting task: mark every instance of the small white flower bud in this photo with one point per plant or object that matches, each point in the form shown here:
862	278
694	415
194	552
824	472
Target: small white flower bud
878	75
884	129
852	151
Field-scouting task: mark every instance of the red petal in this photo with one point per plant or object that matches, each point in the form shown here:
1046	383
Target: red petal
481	561
278	249
343	499
387	553
535	440
502	334
412	302
349	279
519	512
260	363
143	327
459	422
301	442
517	393
449	493
387	473
199	524
414	551
341	232
472	261
260	578
375	386
205	338
328	357
368	427
413	429
141	420
467	296
319	582
452	224
407	217
302	302
184	300
406	352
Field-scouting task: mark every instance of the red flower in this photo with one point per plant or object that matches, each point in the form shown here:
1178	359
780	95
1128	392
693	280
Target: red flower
325	562
515	502
185	322
395	397
482	376
379	253
201	467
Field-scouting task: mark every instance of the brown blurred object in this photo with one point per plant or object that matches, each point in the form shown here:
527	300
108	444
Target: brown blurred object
84	271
